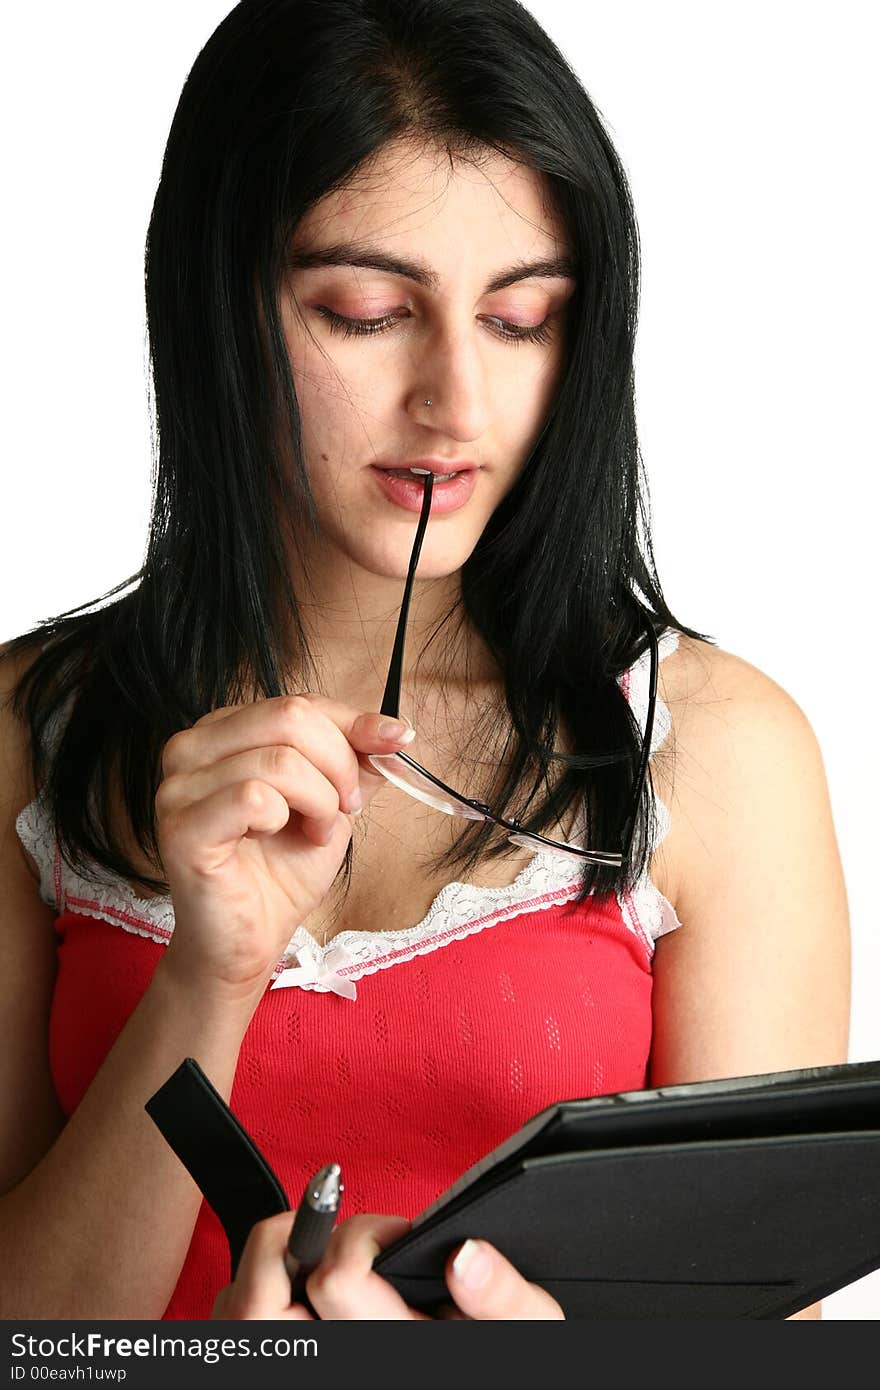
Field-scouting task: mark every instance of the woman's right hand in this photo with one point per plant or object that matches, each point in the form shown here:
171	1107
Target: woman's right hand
253	818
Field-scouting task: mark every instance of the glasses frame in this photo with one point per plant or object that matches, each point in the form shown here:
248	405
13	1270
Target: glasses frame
391	708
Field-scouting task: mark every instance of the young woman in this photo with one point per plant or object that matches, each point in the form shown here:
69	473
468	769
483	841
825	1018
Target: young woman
387	235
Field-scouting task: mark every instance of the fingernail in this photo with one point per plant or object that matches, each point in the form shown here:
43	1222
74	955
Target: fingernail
355	802
397	730
472	1265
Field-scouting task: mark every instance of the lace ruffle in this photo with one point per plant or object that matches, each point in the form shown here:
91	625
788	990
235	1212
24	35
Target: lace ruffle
458	911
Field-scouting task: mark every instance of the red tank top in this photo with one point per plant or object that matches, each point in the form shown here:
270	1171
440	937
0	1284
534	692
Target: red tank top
500	1002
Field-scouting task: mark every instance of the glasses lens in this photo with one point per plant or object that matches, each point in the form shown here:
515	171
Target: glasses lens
404	775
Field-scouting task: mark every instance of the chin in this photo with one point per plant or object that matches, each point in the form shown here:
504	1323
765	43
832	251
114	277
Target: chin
436	561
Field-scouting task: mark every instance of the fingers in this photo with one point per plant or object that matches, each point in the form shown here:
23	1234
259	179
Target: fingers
305	747
345	1287
299	785
261	1288
485	1285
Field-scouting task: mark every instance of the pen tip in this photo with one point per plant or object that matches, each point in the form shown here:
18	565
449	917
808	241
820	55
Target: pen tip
325	1187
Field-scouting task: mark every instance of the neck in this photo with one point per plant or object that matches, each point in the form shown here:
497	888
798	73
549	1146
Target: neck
350	619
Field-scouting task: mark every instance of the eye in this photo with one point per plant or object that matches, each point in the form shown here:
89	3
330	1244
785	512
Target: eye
349	328
515	333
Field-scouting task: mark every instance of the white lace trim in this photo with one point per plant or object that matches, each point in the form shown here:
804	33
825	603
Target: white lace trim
459	910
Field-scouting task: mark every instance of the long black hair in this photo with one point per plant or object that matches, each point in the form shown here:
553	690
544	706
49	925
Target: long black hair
281	106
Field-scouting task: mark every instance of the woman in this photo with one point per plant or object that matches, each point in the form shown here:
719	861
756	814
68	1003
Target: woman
385	235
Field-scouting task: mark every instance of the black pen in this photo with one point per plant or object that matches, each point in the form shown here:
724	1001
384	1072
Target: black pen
315	1219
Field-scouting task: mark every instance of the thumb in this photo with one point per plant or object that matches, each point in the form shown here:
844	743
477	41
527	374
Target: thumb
486	1286
389	733
378	734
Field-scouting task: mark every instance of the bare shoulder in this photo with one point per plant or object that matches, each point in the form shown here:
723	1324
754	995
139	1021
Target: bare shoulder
30	1114
16	773
701	682
729	721
757	976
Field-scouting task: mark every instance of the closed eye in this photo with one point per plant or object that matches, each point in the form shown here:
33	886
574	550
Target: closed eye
511	333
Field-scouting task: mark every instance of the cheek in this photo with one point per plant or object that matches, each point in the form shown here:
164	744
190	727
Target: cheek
331	385
319	391
532	394
528	410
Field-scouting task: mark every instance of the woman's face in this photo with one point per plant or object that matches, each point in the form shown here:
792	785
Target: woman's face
447	336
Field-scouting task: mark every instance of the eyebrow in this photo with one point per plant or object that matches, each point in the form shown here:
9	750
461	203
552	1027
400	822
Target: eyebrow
374	258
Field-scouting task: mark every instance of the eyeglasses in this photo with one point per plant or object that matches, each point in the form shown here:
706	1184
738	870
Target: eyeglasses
404	772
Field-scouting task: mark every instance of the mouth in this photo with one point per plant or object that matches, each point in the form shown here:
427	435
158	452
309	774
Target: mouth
443	471
405	487
417	474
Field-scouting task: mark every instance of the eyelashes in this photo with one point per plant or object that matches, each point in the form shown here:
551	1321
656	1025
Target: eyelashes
366	328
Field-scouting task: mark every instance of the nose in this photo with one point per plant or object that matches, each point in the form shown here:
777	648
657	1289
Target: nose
451	373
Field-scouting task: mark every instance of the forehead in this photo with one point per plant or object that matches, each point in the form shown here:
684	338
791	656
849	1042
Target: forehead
479	208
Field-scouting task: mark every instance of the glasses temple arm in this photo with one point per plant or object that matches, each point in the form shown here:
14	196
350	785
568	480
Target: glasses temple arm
391	698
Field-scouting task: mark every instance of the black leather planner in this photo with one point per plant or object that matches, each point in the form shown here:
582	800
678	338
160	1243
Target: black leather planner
750	1197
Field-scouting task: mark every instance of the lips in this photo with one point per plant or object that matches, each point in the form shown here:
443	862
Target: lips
441	466
409	492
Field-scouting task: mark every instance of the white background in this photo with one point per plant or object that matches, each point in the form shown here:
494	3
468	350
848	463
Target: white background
749	136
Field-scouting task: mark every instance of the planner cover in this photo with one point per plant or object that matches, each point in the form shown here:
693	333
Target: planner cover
748	1197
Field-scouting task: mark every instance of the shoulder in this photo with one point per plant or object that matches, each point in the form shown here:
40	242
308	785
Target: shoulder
700	679
16	767
724	713
735	735
15	759
757	977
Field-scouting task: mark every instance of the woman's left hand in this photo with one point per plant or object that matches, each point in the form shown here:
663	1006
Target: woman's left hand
345	1286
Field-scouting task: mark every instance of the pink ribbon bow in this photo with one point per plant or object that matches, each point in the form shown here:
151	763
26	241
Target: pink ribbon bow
309	972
